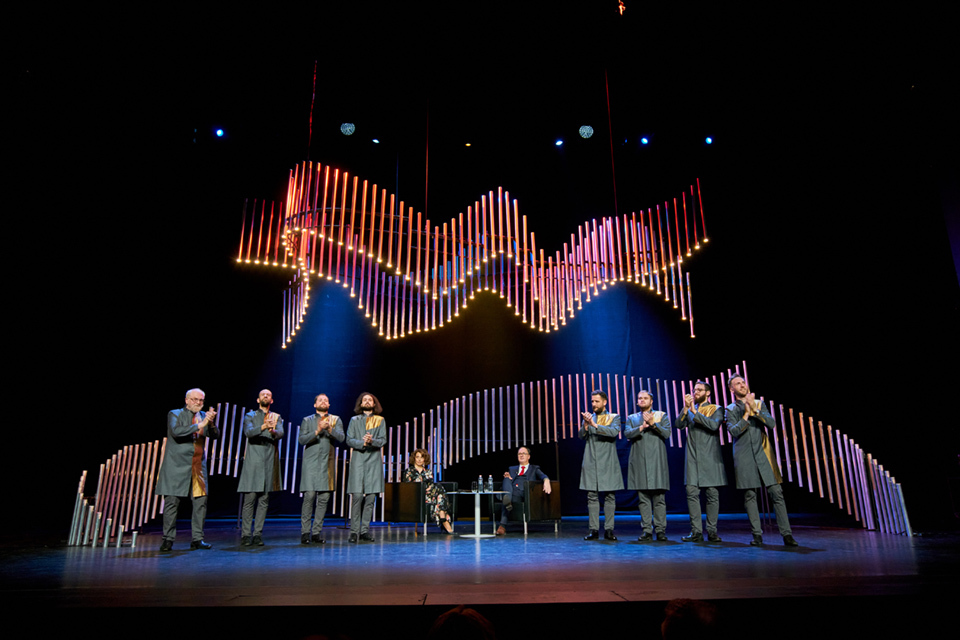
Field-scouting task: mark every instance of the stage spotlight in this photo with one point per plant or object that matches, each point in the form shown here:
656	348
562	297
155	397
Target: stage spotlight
586	131
347	128
709	140
559	143
219	133
376	141
644	141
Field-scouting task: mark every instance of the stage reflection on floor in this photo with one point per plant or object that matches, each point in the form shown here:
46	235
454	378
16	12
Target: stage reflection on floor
405	568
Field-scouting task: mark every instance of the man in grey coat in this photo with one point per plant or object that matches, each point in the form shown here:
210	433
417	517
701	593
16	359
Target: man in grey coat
366	435
703	467
261	467
183	471
601	466
318	475
647	472
753	460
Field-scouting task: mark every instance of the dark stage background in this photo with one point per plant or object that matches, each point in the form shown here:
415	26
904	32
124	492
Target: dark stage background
827	193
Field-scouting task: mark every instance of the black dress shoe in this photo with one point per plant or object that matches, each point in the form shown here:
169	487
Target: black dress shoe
788	541
608	535
257	541
693	537
661	536
245	541
200	544
713	537
593	535
757	540
367	537
166	545
352	538
316	539
304	538
647	537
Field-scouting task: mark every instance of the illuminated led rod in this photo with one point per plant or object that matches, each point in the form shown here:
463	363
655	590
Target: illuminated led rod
490	420
441	266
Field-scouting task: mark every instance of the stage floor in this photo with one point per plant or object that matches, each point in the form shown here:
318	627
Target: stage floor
405	569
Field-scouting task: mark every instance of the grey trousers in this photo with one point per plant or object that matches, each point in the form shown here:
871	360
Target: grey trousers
609	509
779	509
658	502
713	508
361	512
314	500
170	505
262	499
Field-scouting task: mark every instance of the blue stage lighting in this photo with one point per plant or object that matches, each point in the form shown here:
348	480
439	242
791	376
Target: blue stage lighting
376	141
347	128
586	131
709	140
644	141
559	143
219	133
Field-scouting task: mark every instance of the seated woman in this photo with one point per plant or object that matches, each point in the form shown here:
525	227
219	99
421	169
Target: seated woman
419	471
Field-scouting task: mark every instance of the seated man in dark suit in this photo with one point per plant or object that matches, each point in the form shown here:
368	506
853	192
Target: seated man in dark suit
514	481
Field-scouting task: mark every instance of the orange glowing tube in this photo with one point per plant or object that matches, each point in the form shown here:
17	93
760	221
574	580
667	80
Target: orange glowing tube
617	274
409	242
577	272
642	245
544	308
363	214
399	238
509	235
436	262
533	268
460	248
502	267
625	247
470	243
683	306
452	256
353	213
676	225
266	252
551	297
426	277
383	218
253	217
390	234
483	234
446	285
419	250
493	226
666	214
373	217
702	219
500	219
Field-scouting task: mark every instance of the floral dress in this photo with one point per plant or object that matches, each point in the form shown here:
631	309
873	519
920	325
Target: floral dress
436	497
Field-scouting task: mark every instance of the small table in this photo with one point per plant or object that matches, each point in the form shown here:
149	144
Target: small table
476	512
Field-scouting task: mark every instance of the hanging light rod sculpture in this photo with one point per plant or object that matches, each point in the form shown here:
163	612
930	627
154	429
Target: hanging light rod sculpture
411	275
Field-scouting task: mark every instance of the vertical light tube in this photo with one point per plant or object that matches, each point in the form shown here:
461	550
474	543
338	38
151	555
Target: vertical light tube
390	231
